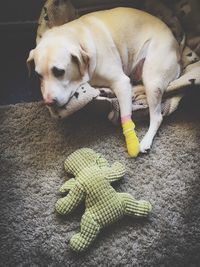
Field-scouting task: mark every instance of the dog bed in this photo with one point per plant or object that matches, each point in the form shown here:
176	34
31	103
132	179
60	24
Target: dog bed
184	22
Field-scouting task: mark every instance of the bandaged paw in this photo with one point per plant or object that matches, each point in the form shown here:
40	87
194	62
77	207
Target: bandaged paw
132	142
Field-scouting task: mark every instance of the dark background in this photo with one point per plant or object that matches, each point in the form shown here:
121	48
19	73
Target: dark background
17	30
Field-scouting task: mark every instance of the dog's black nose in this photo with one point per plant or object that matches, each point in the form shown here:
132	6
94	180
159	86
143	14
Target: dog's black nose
51	102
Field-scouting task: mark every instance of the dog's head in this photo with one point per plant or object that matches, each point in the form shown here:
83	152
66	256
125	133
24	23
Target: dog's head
61	65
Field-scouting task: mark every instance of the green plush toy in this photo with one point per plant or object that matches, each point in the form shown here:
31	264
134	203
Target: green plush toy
104	205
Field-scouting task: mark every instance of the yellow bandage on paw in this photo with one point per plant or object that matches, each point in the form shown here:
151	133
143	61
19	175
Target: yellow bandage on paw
132	142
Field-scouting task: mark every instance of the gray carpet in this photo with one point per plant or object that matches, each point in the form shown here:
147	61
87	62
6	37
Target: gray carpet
33	148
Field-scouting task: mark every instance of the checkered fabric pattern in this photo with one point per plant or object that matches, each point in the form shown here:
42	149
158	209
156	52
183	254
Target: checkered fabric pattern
104	205
67	204
82	158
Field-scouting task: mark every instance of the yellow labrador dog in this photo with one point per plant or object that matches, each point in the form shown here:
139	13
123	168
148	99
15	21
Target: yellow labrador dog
108	49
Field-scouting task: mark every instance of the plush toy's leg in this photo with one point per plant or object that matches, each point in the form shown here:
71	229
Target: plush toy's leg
116	172
89	231
67	204
68	185
134	207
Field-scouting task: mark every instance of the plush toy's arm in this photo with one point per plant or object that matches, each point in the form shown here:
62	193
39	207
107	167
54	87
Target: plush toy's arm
132	207
116	172
68	185
67	204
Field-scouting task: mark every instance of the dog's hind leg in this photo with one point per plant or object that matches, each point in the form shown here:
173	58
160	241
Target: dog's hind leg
156	78
154	97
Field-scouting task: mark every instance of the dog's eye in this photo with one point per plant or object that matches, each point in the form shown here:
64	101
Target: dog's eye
58	72
38	75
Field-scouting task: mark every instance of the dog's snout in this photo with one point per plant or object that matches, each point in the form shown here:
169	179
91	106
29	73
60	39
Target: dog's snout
50	102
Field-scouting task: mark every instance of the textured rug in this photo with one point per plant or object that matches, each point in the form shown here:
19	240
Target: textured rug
33	148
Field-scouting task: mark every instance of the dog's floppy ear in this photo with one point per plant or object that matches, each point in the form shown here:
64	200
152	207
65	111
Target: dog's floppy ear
82	59
30	62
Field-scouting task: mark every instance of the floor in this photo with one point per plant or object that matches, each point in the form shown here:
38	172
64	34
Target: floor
32	151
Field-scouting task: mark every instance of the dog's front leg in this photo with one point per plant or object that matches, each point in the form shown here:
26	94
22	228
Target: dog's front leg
123	90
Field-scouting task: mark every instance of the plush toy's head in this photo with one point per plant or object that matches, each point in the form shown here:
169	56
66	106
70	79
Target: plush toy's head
83	158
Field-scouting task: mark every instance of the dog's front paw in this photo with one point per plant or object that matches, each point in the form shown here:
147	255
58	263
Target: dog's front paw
145	145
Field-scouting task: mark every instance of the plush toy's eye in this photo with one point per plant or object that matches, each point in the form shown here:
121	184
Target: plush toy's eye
58	72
